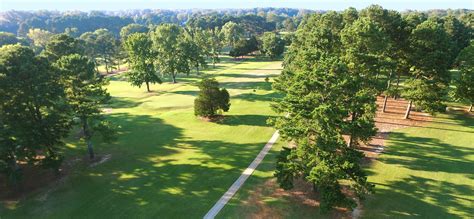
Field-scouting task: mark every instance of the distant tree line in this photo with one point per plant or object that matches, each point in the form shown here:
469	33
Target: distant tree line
77	23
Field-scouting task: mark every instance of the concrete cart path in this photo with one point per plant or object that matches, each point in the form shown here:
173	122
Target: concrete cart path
241	180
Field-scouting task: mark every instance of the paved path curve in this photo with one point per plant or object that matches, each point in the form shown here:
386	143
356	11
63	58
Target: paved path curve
243	177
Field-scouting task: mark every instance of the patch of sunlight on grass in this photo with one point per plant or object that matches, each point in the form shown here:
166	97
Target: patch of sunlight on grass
127	176
173	190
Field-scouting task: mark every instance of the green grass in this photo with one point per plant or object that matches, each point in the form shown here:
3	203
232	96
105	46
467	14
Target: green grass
426	171
166	162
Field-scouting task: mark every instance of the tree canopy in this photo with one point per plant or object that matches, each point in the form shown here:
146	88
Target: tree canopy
211	99
141	57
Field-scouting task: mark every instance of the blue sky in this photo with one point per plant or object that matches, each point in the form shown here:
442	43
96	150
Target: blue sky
86	5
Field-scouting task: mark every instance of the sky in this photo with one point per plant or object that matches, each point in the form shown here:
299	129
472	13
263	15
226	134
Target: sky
114	5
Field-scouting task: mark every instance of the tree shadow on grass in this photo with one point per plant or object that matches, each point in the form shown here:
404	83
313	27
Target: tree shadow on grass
119	102
258	97
186	92
256	85
154	171
419	197
250	120
243	75
428	154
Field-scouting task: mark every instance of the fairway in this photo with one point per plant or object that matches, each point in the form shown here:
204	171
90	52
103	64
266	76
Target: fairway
166	162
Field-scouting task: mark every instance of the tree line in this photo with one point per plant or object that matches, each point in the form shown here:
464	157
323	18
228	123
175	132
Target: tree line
334	69
169	49
267	19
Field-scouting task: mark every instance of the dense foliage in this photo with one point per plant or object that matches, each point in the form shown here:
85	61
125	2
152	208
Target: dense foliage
211	99
272	45
332	73
141	58
464	90
35	120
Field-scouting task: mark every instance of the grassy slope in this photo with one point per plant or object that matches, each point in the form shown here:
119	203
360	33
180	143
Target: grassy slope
426	171
166	163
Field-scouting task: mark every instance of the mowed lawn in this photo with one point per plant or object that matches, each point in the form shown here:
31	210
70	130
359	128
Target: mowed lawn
425	172
166	163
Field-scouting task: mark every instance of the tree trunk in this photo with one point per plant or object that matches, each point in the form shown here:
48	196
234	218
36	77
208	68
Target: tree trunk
197	70
90	149
389	82
407	113
470	108
147	86
13	180
396	88
87	137
384	103
174	77
106	65
351	138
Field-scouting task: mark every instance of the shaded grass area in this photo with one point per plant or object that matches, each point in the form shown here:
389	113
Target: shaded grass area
166	162
426	171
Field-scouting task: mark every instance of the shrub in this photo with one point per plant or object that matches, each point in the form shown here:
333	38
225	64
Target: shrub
211	99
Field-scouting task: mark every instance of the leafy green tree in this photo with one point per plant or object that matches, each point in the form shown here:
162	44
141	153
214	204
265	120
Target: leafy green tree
232	33
39	38
196	48
211	99
7	39
90	47
464	90
272	45
390	60
316	104
106	47
101	46
429	58
350	15
131	29
215	43
34	114
365	46
141	57
169	43
62	45
244	47
459	35
289	25
85	94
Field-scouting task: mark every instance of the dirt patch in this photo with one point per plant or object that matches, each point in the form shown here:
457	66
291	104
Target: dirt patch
302	193
390	120
216	118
